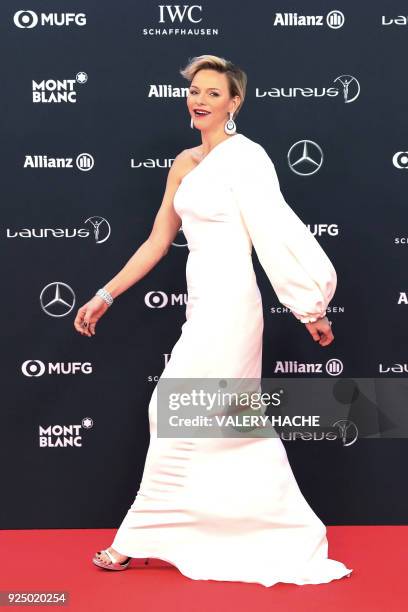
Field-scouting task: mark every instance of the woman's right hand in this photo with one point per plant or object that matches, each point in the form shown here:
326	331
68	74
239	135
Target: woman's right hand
321	331
89	314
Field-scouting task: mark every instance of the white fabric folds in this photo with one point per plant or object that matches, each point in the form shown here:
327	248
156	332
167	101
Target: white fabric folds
302	275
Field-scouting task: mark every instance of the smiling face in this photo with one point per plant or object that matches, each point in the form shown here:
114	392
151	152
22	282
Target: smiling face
209	91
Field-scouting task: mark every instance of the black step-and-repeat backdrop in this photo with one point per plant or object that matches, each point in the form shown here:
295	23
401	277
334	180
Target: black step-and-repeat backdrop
93	112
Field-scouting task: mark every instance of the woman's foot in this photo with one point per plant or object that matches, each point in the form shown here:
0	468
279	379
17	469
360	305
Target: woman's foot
103	557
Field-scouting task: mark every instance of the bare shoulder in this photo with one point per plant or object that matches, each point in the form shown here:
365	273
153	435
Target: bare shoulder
194	154
185	161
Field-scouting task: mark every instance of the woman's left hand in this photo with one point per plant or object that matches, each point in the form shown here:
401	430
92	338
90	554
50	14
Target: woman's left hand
321	331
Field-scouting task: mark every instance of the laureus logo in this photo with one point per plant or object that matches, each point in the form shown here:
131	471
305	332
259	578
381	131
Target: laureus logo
348	432
350	85
100	229
346	86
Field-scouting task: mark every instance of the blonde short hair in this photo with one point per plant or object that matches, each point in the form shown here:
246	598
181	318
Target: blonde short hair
237	79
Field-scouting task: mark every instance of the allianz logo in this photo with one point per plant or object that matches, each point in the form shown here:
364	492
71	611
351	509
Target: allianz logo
403	298
333	367
83	162
334	19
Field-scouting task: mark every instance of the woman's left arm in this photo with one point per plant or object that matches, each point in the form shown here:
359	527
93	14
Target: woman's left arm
300	272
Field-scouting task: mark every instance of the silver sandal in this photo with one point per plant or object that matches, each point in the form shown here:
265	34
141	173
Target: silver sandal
114	565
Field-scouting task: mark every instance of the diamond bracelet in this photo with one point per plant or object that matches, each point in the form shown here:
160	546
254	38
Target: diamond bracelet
105	295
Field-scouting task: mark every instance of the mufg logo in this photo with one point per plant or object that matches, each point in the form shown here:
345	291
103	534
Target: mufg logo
160	299
30	19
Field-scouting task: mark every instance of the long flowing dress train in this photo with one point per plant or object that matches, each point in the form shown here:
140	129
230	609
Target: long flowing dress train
230	508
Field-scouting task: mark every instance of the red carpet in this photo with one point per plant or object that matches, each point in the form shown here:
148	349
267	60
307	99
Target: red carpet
60	560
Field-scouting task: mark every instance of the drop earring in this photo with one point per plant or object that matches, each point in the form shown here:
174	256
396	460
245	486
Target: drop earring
230	127
191	123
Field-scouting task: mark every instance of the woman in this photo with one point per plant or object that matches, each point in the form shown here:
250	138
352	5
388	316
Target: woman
229	508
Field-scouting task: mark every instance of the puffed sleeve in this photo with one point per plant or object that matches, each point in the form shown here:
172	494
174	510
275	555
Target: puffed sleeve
300	272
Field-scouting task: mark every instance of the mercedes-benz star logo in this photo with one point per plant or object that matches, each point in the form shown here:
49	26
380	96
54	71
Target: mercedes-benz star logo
57	299
305	157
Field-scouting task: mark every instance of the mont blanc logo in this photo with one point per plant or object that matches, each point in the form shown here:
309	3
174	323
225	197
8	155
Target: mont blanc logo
347	431
57	299
87	423
34	368
63	436
30	19
347	86
53	91
400	160
101	231
175	13
334	19
160	299
83	161
180	239
305	157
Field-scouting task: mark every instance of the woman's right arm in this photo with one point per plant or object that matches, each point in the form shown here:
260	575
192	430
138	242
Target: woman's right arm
300	271
165	227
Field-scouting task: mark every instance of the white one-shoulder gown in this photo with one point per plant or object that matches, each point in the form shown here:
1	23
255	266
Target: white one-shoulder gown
230	508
